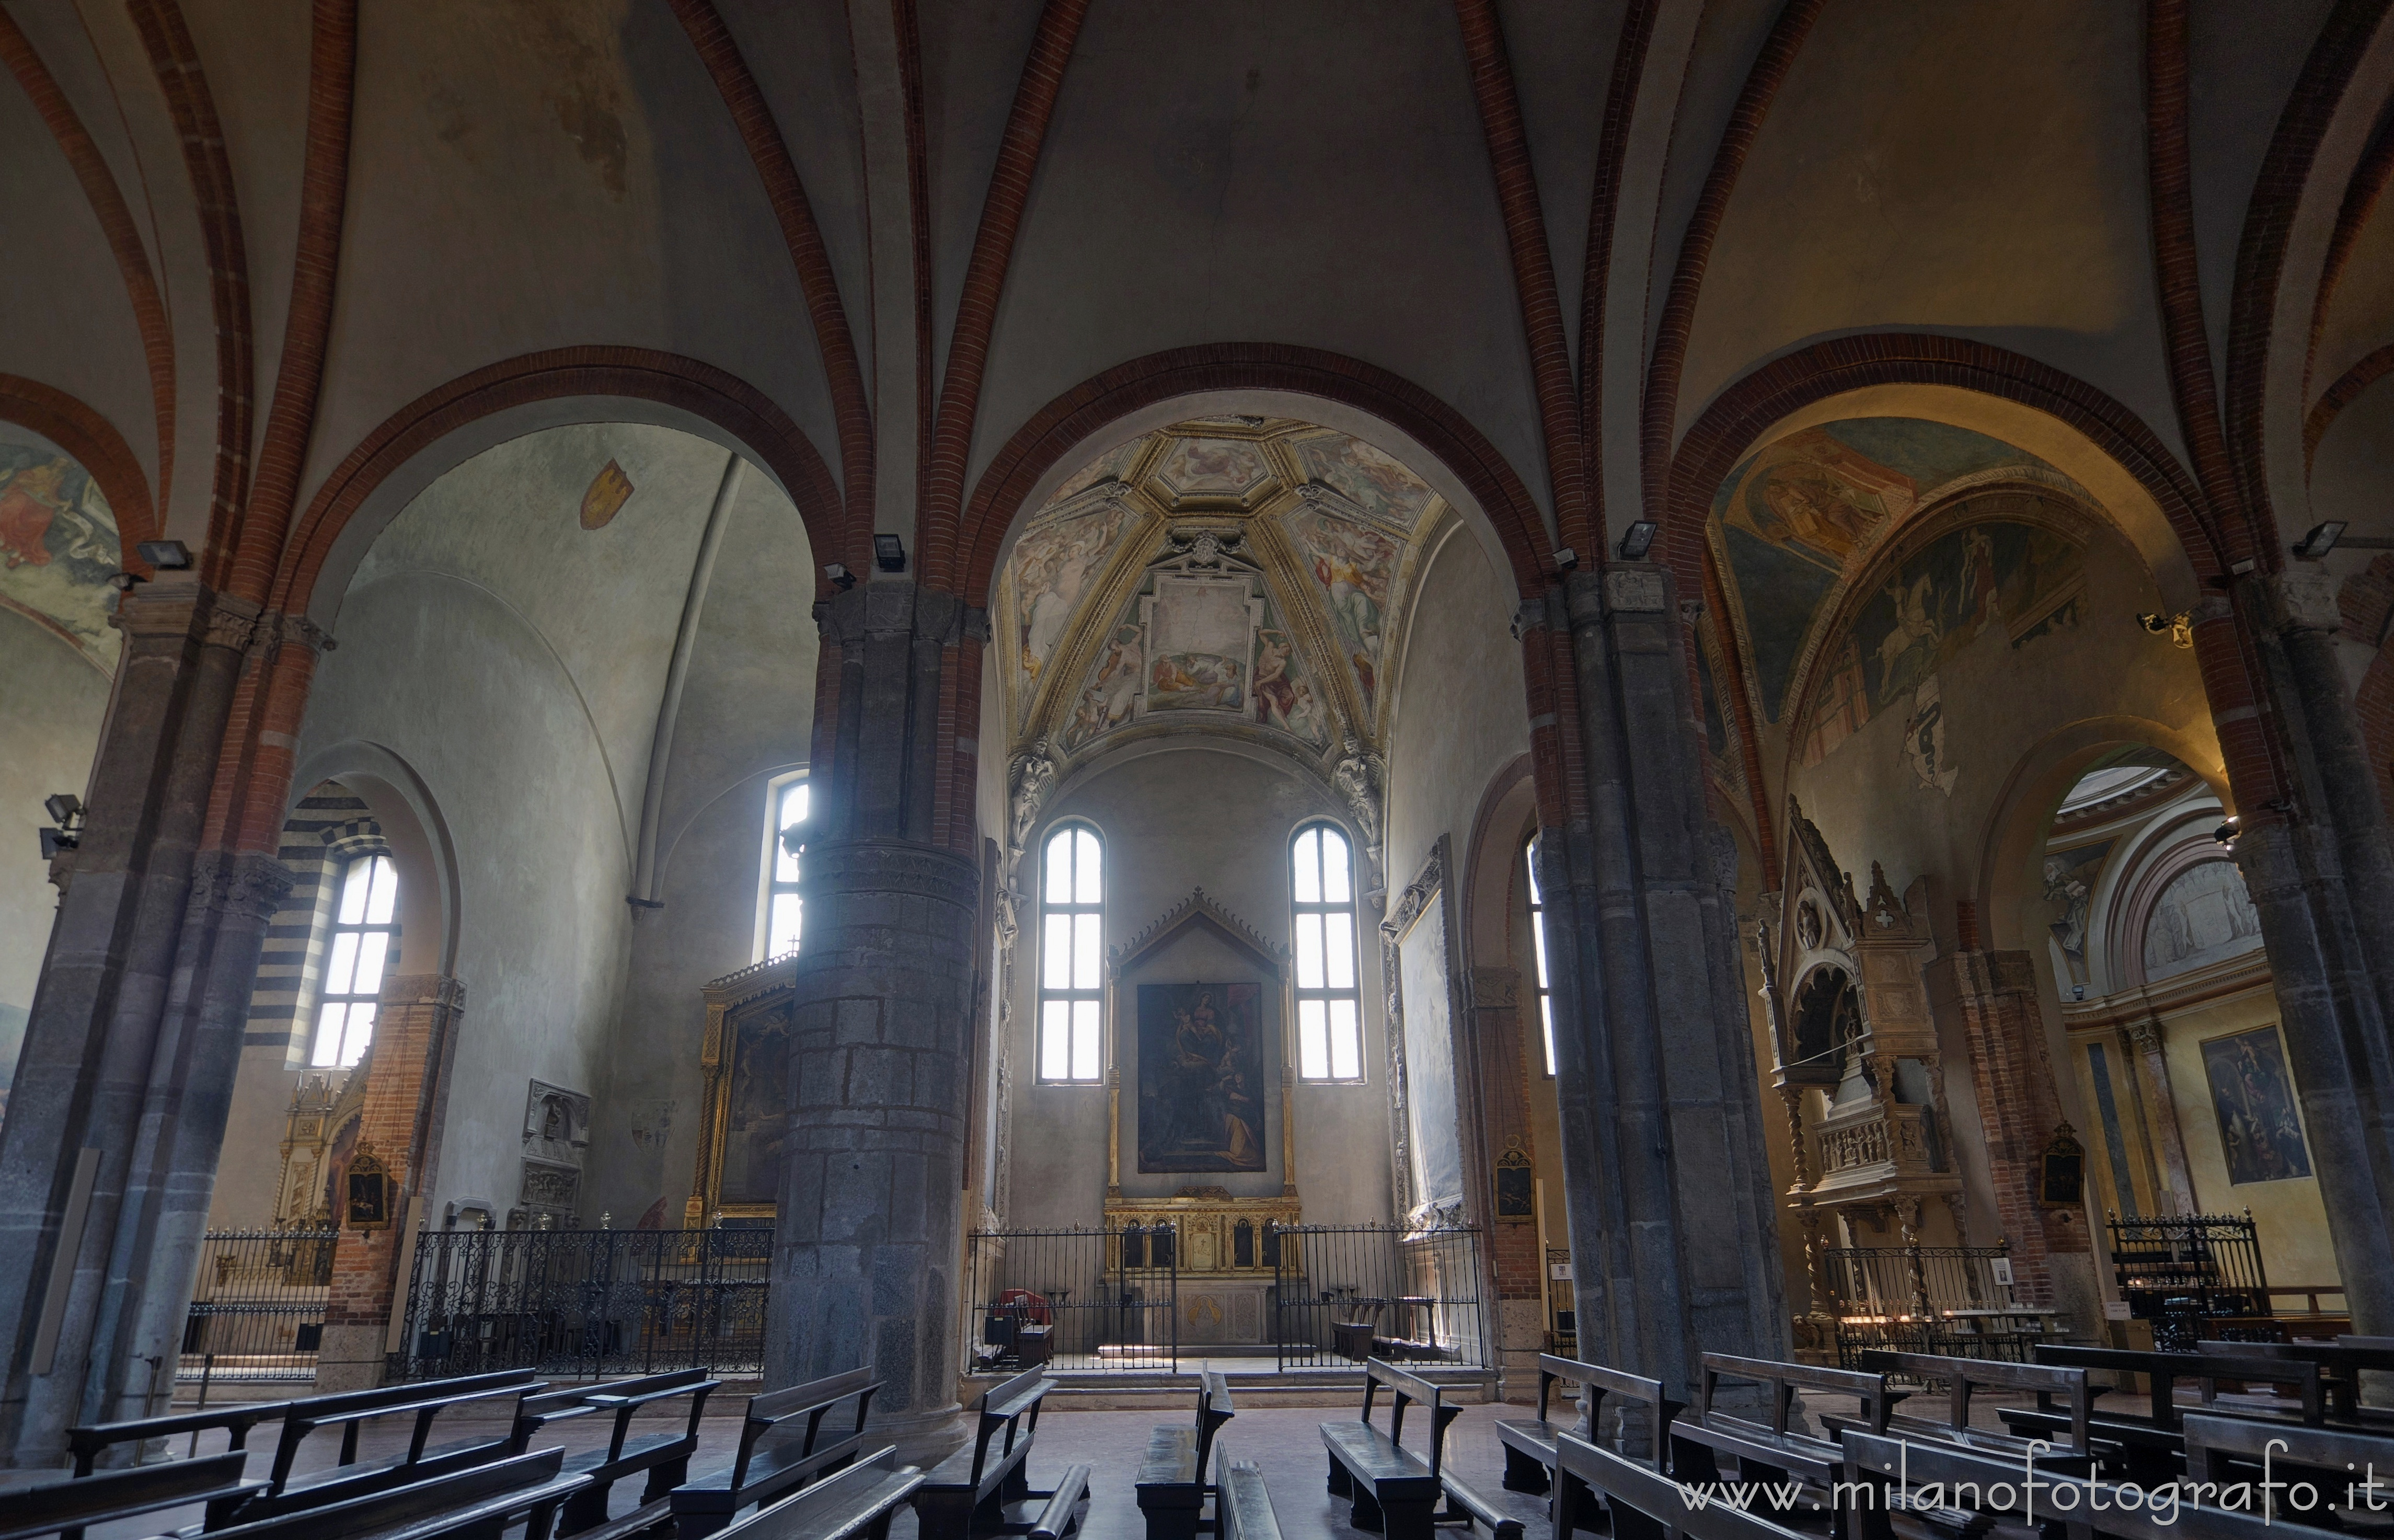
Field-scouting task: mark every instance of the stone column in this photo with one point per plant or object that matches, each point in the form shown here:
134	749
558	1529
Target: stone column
1992	996
2321	880
869	1237
406	1099
90	1056
2146	1038
1673	1239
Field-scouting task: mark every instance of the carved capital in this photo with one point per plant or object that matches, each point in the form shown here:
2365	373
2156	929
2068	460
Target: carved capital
2303	598
2145	1036
299	631
227	622
1634	590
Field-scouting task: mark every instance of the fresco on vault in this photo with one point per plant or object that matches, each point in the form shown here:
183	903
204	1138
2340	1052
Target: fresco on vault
1928	609
1200	652
2070	888
58	548
1364	476
2202	916
1286	697
1200	1078
1054	564
1112	466
1355	566
1790	515
1211	467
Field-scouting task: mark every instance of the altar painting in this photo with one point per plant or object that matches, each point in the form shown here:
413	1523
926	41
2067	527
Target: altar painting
2260	1132
1202	1097
759	1117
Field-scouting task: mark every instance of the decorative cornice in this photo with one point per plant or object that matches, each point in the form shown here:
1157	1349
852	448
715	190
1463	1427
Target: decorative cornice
1417	896
753	981
1203	906
434	989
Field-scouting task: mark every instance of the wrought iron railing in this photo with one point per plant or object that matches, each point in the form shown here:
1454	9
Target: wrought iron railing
2180	1270
586	1302
1953	1300
1104	1300
1345	1292
258	1305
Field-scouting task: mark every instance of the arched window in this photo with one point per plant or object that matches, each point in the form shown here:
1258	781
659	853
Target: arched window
365	924
786	808
1329	1005
1538	948
1072	958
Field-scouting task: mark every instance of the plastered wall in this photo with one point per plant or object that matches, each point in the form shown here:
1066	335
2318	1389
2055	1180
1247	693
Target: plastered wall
52	703
1187	817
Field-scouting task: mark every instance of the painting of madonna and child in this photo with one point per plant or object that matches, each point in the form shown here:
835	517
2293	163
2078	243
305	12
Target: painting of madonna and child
1201	1101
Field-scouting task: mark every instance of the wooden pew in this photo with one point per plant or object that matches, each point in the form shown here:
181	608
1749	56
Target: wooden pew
979	1490
1875	1463
1060	1516
1173	1476
856	1504
467	1504
1964	1375
64	1507
1243	1505
2341	1364
1530	1445
2151	1446
2225	1449
425	1401
666	1457
1645	1504
1703	1434
86	1442
772	1463
1387	1484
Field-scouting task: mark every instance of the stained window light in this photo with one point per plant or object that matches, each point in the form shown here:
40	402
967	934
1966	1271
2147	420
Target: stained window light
1538	945
1072	958
784	907
1329	1002
364	934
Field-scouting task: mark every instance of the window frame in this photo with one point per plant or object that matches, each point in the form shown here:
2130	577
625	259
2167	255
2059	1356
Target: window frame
349	997
1326	993
1541	975
769	883
1068	994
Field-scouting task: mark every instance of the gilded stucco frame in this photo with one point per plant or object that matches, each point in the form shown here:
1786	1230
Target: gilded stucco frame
723	996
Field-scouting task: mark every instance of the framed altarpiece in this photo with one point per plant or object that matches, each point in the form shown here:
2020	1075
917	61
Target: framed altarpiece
744	1096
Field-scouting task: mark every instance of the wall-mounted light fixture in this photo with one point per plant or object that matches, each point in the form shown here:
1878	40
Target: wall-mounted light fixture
66	811
888	553
841	578
2178	627
169	556
2225	835
2321	540
1638	538
1566	558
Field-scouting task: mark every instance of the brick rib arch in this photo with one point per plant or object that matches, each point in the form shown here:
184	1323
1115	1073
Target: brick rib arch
97	447
636	374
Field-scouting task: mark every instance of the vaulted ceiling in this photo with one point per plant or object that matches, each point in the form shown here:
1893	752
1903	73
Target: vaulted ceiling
1238	574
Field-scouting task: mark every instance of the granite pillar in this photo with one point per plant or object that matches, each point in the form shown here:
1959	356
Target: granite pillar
1675	1248
870	1233
93	1044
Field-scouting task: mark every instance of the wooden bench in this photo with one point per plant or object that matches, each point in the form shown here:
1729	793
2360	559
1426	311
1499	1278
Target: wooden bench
1704	1433
470	1505
2225	1449
1060	1514
1172	1476
776	1456
1242	1504
1389	1488
1965	1376
856	1504
86	1443
64	1507
2151	1446
1876	1464
1646	1504
1530	1445
666	1457
288	1492
2341	1364
979	1490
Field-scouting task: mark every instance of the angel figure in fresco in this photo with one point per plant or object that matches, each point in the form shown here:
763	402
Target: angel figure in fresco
1275	693
1352	567
1106	705
29	501
1305	716
1807	508
1054	578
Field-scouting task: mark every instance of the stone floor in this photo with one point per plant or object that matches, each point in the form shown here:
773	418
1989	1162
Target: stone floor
1282	1441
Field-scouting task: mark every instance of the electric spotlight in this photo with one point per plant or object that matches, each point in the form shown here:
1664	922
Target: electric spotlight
2320	541
64	807
888	553
171	555
1634	544
840	576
